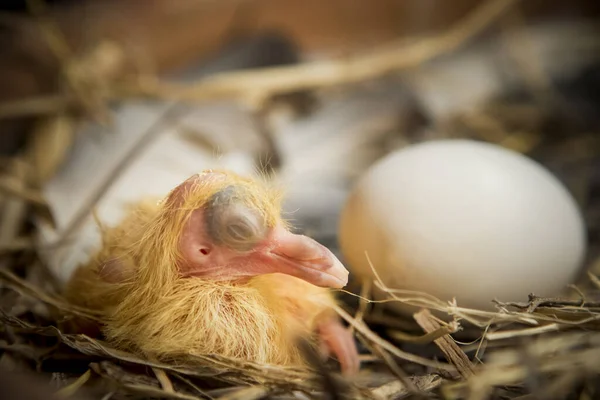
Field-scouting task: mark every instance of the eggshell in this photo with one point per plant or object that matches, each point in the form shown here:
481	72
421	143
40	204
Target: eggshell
463	219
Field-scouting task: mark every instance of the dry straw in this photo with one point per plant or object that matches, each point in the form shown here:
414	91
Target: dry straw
544	348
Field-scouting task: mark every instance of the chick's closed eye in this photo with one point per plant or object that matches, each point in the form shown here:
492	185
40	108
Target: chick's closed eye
232	223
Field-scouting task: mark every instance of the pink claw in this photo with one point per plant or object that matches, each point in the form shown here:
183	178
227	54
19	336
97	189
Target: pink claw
339	340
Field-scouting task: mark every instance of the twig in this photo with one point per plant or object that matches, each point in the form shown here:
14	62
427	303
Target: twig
27	289
390	322
255	87
372	336
365	292
108	395
535	302
105	369
14	209
15	189
52	34
496	375
247	393
329	383
77	82
568	352
490	129
594	279
424	300
476	317
396	369
36	106
70	390
579	292
191	384
223	369
17	244
423	339
481	346
522	332
378	353
396	390
454	353
520	48
164	380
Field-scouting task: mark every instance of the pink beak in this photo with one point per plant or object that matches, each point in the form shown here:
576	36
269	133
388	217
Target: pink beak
304	258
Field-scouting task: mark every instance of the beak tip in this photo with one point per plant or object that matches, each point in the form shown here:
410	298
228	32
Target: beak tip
340	272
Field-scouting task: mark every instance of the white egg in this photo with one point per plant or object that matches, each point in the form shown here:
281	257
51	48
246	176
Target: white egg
463	219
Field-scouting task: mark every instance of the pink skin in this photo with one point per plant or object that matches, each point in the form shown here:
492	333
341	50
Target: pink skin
281	252
337	339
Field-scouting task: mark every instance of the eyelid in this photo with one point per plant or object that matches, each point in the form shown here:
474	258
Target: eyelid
232	223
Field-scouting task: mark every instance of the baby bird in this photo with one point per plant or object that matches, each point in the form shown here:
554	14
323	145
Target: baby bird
214	269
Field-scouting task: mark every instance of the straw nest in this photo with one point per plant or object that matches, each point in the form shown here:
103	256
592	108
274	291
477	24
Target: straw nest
542	348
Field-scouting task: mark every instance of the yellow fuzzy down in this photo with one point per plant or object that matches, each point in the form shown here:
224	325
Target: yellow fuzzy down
153	310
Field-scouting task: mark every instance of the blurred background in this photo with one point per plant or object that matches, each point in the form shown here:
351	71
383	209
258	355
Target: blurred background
97	96
103	103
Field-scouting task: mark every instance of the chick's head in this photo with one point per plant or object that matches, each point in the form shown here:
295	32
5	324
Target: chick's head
231	229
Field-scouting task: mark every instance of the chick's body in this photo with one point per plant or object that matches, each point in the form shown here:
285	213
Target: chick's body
158	297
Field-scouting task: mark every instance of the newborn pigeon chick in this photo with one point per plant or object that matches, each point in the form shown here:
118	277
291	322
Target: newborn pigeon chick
214	269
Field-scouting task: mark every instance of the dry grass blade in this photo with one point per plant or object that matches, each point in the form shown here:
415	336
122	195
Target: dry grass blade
578	353
329	384
37	106
522	50
50	31
49	144
551	350
535	302
423	339
14	209
15	188
164	380
454	353
192	385
249	393
373	337
23	350
489	128
522	332
18	244
365	293
137	384
70	390
395	369
87	77
571	315
204	366
593	278
12	188
255	87
128	159
543	347
397	390
27	289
